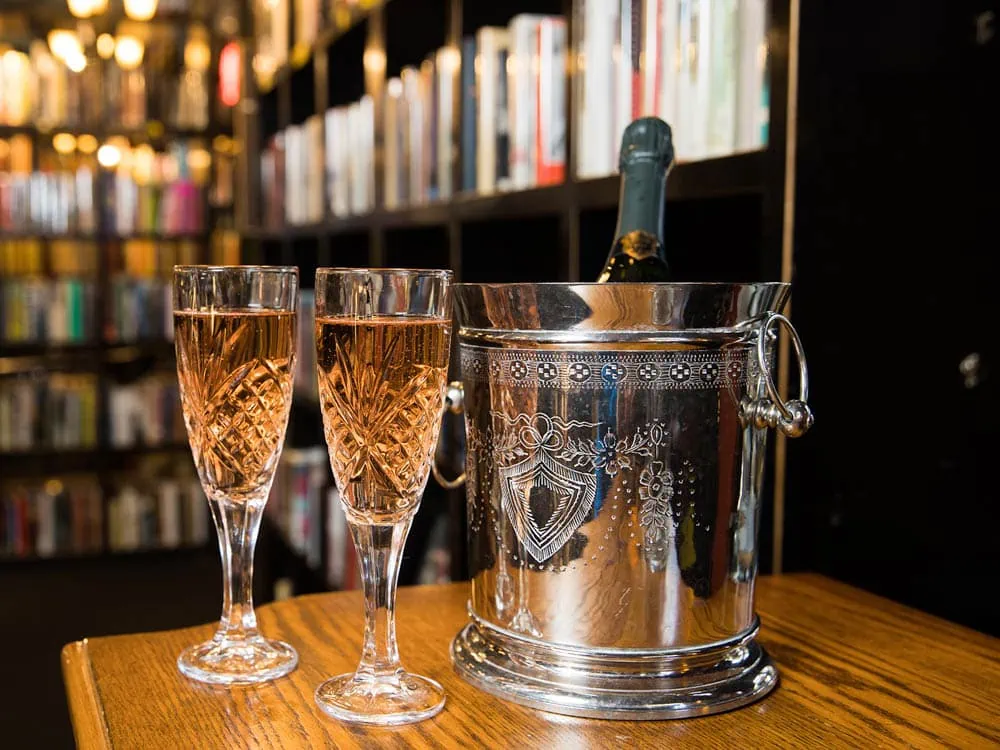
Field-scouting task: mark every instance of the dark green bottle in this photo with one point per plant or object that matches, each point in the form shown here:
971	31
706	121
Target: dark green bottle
646	155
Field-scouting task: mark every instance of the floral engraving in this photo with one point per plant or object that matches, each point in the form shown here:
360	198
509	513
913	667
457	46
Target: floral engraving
656	489
608	457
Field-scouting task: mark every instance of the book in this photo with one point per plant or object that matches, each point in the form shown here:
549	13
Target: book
490	71
550	149
469	106
522	86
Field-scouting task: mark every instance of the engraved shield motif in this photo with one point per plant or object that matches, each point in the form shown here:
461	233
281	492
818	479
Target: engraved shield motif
545	500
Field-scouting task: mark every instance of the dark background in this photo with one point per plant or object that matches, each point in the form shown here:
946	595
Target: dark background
895	257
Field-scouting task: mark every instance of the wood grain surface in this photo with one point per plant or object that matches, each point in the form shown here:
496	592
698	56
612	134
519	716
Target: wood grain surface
856	671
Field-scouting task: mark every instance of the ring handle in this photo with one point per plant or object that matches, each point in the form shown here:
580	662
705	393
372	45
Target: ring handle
793	417
454	401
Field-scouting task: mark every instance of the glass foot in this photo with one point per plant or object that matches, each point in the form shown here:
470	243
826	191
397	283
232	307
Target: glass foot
400	698
223	661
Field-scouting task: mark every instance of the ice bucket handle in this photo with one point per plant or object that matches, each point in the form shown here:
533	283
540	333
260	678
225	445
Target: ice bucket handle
792	417
454	398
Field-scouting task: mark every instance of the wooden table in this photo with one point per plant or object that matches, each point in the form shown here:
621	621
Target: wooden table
856	671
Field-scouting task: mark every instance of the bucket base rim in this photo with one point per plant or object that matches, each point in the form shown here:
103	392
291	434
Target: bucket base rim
720	685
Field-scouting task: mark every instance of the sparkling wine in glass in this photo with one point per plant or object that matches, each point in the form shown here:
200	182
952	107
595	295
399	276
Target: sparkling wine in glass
383	341
235	335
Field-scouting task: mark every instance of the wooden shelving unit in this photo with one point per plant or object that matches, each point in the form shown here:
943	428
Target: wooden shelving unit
109	360
725	220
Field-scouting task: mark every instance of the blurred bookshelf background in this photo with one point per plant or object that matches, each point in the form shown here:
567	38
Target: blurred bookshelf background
461	134
117	161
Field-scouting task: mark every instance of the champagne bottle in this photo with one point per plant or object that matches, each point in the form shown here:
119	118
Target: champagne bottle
646	155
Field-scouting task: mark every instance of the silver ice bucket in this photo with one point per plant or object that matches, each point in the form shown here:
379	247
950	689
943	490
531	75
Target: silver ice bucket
615	451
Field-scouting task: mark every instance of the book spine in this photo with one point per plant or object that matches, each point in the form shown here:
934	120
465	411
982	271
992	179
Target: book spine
551	140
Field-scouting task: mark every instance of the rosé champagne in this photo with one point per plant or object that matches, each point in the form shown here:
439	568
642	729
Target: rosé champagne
382	382
235	370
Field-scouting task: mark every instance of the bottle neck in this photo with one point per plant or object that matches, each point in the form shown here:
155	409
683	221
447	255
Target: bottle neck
641	203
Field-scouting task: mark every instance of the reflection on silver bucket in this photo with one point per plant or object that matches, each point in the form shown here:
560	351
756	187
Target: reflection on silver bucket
615	437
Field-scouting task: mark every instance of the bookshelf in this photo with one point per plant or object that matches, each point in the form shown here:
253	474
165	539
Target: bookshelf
94	459
727	218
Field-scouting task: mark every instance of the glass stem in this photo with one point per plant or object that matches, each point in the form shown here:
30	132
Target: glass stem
238	525
380	550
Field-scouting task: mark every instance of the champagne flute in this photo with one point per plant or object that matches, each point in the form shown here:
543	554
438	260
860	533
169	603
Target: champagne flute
382	343
235	334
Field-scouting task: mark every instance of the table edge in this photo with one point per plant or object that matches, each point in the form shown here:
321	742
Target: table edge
90	729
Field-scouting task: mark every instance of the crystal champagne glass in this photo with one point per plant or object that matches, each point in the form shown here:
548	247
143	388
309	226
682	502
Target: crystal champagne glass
382	341
235	334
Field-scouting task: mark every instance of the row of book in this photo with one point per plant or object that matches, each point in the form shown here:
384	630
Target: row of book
60	411
701	65
139	309
63	310
57	310
513	83
57	411
54	517
66	516
302	483
38	88
29	256
166	512
162	207
306	382
64	202
294	504
418	115
146	412
60	196
49	289
332	155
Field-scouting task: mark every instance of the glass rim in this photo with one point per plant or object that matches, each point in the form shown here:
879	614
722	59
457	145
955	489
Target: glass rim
348	270
211	268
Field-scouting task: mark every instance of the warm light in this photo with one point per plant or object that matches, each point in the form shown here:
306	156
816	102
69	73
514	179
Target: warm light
86	8
64	143
14	63
76	62
263	65
140	10
126	161
64	44
197	53
374	60
449	59
221	143
42	58
86	144
143	159
106	46
108	156
198	159
394	87
128	52
229	74
81	8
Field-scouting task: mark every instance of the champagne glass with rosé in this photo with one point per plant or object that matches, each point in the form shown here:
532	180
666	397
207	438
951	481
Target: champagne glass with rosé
235	335
383	339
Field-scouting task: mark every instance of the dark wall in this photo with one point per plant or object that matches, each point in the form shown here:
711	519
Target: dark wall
896	236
